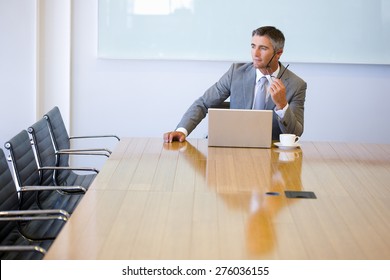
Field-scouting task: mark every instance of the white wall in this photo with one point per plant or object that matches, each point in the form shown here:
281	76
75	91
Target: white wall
147	98
17	67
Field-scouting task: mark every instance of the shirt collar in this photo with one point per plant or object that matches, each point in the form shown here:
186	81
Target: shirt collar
259	75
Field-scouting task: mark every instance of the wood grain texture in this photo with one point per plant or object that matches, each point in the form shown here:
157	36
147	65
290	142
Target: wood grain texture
154	200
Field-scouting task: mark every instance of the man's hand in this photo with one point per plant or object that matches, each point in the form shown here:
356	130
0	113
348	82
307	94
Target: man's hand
171	136
278	93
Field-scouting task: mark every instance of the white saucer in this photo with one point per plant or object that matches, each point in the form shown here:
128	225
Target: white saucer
293	146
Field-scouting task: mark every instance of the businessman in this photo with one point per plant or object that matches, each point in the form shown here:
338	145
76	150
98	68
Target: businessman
283	91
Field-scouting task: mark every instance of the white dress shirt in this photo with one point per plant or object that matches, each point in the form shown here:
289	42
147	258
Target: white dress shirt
270	78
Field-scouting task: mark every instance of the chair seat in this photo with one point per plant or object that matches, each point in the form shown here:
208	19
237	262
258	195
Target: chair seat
73	179
59	200
24	255
32	229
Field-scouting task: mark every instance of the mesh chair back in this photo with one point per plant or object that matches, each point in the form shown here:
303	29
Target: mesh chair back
47	157
8	195
57	127
45	152
25	165
59	134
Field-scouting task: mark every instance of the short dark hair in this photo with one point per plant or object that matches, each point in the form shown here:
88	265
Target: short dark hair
275	35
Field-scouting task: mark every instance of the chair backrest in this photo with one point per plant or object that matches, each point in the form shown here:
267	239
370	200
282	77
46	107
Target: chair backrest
24	164
57	128
58	133
11	231
8	195
44	149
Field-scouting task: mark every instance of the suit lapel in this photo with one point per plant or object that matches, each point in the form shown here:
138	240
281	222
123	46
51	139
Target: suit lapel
249	87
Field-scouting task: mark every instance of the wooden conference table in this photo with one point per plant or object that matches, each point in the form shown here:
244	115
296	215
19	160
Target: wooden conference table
153	200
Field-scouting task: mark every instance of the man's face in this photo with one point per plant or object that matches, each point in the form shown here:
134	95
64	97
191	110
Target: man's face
262	52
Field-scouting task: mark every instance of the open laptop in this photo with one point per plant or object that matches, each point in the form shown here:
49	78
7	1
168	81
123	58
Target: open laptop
240	128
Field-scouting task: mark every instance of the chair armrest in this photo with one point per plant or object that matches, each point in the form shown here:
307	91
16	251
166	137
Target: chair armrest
52	188
69	168
33	218
93	150
90	152
33	212
10	216
22	248
95	136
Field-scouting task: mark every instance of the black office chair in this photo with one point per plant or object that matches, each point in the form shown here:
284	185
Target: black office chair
24	234
62	139
47	157
27	173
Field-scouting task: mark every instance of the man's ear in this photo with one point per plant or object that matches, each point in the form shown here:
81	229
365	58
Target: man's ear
279	54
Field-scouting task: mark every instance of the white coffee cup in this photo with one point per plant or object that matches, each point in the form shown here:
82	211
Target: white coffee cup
288	139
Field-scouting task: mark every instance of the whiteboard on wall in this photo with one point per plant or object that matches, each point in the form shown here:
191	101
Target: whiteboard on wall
321	31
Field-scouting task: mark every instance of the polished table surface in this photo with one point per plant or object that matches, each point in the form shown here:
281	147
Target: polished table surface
154	200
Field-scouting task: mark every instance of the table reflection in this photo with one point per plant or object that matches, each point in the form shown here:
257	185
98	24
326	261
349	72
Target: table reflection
285	175
252	181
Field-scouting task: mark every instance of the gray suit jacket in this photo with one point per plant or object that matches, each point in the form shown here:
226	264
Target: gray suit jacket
238	83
